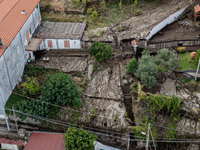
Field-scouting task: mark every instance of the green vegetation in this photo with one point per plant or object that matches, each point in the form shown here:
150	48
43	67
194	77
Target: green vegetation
156	104
181	49
131	67
58	89
30	86
147	69
94	69
184	59
78	139
196	58
100	51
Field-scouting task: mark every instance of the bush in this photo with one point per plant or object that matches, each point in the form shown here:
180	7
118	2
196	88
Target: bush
131	67
59	88
78	139
100	51
196	57
181	49
147	70
94	15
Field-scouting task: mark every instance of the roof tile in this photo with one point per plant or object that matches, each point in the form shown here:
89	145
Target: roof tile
14	20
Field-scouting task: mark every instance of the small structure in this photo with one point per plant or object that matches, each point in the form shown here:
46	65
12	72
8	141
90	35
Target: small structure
192	55
197	12
45	141
60	35
10	144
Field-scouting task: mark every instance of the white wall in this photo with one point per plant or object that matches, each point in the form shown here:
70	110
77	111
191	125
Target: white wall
9	146
13	60
173	17
59	44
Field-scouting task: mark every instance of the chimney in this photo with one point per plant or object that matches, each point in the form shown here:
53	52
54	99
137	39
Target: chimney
23	12
1	42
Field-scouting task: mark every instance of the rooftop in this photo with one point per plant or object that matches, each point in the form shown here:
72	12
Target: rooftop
60	30
7	141
12	20
197	8
45	141
176	31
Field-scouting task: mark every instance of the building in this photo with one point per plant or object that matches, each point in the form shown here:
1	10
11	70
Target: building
45	141
11	144
18	21
60	35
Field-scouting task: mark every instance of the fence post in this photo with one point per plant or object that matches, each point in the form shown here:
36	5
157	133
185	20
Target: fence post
15	118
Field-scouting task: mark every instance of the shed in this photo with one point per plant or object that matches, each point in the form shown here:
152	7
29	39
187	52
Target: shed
197	12
10	144
60	35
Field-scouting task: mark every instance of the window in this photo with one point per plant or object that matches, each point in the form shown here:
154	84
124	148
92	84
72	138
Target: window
49	43
180	44
66	44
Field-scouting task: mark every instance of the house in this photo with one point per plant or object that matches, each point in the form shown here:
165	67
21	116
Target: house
45	141
60	35
18	21
11	144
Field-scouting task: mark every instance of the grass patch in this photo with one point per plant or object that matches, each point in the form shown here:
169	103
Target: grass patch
184	62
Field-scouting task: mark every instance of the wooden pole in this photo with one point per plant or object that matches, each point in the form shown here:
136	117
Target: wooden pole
15	118
147	143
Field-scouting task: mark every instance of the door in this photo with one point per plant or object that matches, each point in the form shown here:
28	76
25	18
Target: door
50	43
39	21
66	44
27	37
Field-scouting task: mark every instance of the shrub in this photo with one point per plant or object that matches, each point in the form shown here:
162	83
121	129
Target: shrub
94	15
100	51
196	57
131	67
31	86
59	88
181	49
138	12
135	2
78	139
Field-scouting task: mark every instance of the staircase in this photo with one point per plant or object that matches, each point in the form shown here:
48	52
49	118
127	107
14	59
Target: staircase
128	101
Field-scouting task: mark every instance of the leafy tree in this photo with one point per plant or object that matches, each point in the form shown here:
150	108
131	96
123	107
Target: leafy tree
147	70
59	88
100	51
196	57
78	140
131	67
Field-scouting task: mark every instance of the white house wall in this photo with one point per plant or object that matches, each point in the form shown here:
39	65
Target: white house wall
59	44
13	59
173	17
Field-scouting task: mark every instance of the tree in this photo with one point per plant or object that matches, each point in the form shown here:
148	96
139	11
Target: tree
100	51
78	140
59	88
147	70
196	57
166	59
131	67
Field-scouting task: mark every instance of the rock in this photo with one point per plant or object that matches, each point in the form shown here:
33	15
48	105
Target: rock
193	147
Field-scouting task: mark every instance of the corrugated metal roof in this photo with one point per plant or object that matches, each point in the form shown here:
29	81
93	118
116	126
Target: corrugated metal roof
7	141
60	30
45	141
14	20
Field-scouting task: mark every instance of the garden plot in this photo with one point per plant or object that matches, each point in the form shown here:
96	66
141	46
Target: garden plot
104	82
65	64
